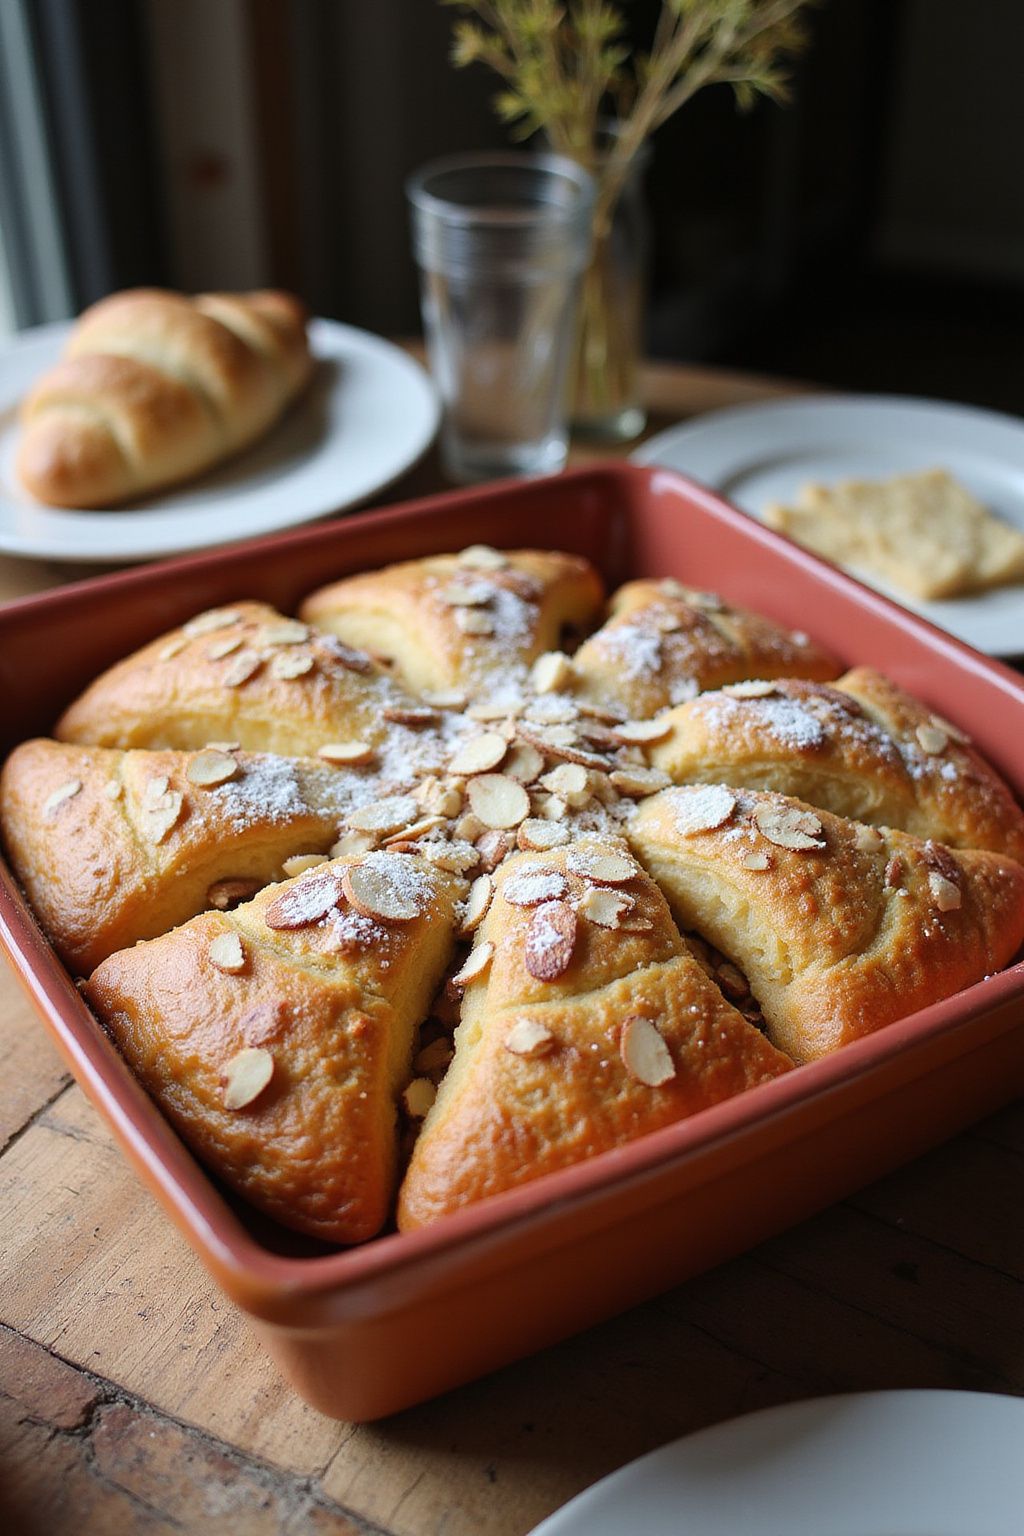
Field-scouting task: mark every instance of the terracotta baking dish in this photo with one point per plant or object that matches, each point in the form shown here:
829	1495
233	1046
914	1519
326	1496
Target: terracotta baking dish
372	1330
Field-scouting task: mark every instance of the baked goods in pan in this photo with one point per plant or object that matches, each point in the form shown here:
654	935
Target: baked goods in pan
645	901
156	387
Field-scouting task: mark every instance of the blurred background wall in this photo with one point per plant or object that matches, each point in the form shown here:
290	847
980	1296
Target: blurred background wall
871	235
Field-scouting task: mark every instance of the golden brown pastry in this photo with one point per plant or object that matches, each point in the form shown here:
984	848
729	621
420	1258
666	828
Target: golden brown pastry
156	387
111	847
839	928
473	621
664	643
586	1023
860	748
276	1038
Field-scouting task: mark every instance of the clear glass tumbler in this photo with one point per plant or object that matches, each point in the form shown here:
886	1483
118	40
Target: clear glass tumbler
501	241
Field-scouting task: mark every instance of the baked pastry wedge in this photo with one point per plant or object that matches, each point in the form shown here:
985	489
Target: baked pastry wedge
861	747
277	1038
664	642
473	621
586	1022
839	928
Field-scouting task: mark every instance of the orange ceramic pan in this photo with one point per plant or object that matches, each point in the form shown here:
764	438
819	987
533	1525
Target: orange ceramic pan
365	1332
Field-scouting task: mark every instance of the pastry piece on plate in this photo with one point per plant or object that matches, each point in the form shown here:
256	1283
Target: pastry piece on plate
861	748
245	673
839	928
156	387
473	621
111	847
277	1037
664	643
586	1022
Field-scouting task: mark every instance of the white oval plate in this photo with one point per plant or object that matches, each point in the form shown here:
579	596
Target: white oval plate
869	1464
368	414
754	454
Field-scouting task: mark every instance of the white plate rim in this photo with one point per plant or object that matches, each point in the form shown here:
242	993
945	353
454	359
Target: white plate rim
189	529
902	1471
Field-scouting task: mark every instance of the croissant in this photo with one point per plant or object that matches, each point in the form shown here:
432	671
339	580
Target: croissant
664	642
277	1037
471	621
112	847
155	388
586	1022
839	928
860	748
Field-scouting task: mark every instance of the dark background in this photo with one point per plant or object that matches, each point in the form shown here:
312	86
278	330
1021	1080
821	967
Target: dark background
869	236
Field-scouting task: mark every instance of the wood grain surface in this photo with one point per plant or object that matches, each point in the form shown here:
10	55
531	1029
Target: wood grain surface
134	1402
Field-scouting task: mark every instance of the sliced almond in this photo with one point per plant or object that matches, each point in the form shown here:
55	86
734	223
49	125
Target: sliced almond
498	800
419	829
945	894
867	839
65	792
209	768
159	816
245	665
492	848
952	731
287	665
894	871
385	816
300	862
552	709
457	856
561	742
756	688
605	907
246	1075
756	859
156	788
666	623
523	762
352	841
347	754
550	940
411	715
571	781
172	647
644	731
486	712
227	954
480	754
469	827
703	808
437	798
213	618
644	1053
475	964
528	1037
673	588
291	632
636	783
472	621
221	648
306	902
933	740
113	789
551	672
472	594
541	835
535	886
418	1096
444	698
552	808
601	866
600	712
477	903
481	557
380	886
224	894
788	827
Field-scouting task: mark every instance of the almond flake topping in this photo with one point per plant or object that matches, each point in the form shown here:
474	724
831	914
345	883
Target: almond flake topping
485	712
112	789
644	1053
306	902
64	792
541	835
224	894
389	886
535	886
933	740
245	665
290	664
571	781
477	903
552	709
523	762
457	856
528	1037
444	698
499	801
703	808
300	862
421	828
757	688
550	940
867	839
601	866
210	767
475	964
952	731
291	632
411	714
246	1075
605	907
221	648
757	859
788	827
472	622
213	618
551	672
638	782
481	557
349	754
172	648
227	954
473	594
353	842
643	731
479	754
160	810
945	894
418	1096
390	814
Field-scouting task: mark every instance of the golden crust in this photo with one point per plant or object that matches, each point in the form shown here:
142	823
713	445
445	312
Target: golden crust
664	642
861	748
835	940
528	598
334	1004
503	1117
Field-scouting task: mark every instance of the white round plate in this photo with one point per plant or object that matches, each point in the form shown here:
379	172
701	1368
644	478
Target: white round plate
368	414
870	1464
755	454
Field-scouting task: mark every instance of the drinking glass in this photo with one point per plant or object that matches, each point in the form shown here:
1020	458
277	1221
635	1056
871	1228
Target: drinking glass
501	241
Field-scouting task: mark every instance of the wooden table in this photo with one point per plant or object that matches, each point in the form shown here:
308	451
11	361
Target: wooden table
133	1400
